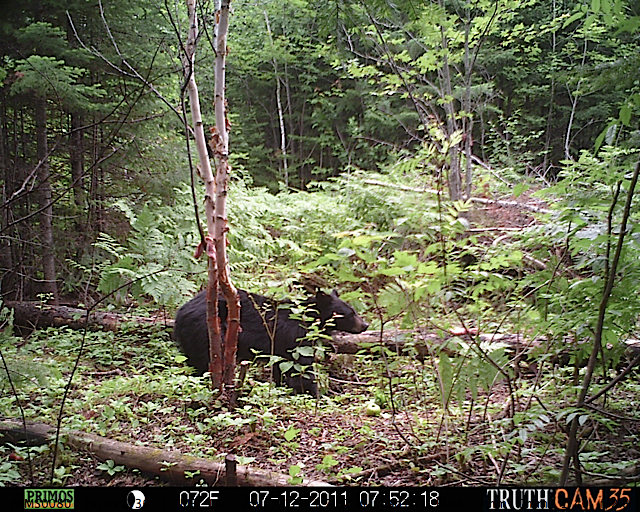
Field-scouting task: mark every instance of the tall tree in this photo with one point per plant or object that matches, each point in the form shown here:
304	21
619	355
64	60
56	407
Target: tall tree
427	57
103	133
44	78
46	205
222	361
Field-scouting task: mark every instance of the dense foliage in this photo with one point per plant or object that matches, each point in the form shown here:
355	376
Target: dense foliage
91	92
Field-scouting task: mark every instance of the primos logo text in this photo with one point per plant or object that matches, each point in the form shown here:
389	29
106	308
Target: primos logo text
49	498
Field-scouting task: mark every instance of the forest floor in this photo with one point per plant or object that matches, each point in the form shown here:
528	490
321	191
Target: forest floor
511	432
336	442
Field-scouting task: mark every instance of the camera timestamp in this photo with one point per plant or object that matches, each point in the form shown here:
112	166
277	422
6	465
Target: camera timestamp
345	498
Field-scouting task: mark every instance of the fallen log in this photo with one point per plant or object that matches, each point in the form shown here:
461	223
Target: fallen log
169	466
35	315
422	342
481	200
32	315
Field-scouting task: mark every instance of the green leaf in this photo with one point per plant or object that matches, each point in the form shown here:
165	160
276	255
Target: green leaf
394	271
329	461
294	470
291	434
446	375
305	351
572	18
519	189
285	366
362	240
625	114
600	139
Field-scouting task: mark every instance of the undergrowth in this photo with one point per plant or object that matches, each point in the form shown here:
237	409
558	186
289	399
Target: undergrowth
473	381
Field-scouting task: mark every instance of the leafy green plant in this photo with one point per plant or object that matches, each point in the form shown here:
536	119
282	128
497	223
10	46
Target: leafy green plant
110	467
475	367
8	473
584	230
296	476
62	473
149	261
327	464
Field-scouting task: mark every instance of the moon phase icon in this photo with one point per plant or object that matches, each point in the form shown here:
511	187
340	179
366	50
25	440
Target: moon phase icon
135	500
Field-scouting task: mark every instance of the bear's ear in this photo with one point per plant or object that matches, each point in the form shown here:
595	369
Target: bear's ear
322	299
334	293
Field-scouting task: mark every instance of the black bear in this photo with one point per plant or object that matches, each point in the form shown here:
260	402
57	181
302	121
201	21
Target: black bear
261	326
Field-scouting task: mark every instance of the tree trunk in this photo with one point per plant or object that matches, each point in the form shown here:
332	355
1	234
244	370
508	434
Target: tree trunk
76	155
46	216
14	200
213	320
76	161
222	355
454	177
467	122
283	138
223	169
547	138
574	98
6	256
95	217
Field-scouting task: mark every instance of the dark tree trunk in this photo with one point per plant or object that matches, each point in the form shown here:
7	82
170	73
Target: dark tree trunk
6	257
76	161
46	216
95	217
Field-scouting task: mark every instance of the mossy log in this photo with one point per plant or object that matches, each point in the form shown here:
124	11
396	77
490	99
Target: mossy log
169	466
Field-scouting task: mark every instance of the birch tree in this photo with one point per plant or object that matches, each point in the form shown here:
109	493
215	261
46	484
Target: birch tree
222	352
283	138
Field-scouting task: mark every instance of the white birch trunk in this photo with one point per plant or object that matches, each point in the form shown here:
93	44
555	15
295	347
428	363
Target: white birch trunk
220	141
283	138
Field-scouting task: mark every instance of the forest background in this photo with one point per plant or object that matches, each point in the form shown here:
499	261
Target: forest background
360	131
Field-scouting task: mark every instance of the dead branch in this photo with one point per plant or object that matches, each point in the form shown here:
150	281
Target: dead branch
481	200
